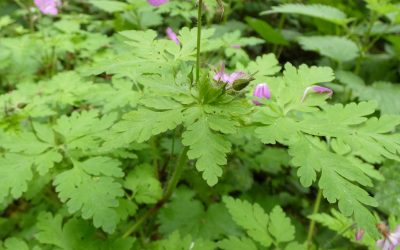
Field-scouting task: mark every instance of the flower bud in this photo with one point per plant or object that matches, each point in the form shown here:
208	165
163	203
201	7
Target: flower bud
359	234
172	35
316	89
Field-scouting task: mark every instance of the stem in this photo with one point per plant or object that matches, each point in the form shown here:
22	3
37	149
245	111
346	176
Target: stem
199	17
312	223
176	175
280	26
364	48
333	239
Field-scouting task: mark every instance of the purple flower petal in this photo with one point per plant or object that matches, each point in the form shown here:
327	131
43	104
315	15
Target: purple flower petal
261	91
391	241
316	89
397	232
379	243
385	244
157	3
320	89
220	75
236	46
48	7
229	79
172	35
235	76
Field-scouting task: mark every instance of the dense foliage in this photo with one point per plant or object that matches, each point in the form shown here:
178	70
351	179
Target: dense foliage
209	124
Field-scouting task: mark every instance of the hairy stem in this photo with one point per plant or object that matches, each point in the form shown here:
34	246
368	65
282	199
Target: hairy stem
199	21
173	182
311	228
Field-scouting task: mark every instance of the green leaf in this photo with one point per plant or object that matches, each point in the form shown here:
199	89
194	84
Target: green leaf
371	139
101	165
68	26
325	12
74	234
207	224
265	65
342	225
15	244
335	221
337	120
94	195
234	243
281	130
117	96
84	130
338	181
208	147
288	91
338	48
109	6
188	39
272	159
306	76
251	217
47	160
296	246
382	7
280	226
176	242
24	142
266	31
160	103
384	93
222	124
172	220
15	173
143	183
140	125
387	191
137	37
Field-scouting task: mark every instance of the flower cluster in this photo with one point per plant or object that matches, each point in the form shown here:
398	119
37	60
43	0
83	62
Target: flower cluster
262	89
222	76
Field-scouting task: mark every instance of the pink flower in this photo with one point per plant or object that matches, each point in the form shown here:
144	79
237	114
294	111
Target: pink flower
157	3
236	46
221	76
390	241
236	76
48	7
172	35
261	91
316	89
359	234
